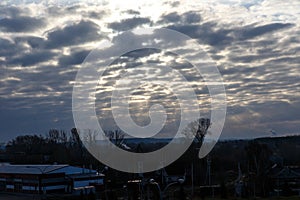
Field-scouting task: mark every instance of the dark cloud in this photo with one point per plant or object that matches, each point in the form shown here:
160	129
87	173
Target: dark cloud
172	3
213	33
56	10
185	18
170	18
33	58
128	24
35	42
252	32
207	33
95	14
189	24
250	58
11	11
74	59
191	17
6	47
285	59
20	24
76	34
133	12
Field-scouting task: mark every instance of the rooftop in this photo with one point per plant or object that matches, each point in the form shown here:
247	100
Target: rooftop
43	169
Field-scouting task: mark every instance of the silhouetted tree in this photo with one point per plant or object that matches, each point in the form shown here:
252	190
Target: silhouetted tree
197	129
258	156
28	144
75	138
116	137
56	136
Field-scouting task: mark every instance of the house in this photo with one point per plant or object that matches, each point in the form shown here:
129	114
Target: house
44	179
287	178
2	146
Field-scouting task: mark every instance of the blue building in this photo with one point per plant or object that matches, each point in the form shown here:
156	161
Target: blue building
45	179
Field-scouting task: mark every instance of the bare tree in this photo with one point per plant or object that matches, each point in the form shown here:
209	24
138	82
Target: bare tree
57	136
75	138
89	136
116	137
197	129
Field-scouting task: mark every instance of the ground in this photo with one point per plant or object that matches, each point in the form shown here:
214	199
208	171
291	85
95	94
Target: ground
17	197
34	197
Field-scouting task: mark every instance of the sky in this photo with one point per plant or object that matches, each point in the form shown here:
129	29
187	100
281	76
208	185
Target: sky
254	44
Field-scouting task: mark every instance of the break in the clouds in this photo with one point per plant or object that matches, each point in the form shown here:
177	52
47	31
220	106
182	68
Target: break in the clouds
255	46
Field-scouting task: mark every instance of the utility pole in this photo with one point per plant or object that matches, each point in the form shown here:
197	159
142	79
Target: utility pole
192	172
208	170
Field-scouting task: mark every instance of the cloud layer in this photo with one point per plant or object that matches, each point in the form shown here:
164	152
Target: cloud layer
255	46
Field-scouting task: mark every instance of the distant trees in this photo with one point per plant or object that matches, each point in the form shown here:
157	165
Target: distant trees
57	146
57	136
27	144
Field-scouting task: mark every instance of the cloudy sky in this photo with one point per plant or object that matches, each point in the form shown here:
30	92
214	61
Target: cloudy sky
254	44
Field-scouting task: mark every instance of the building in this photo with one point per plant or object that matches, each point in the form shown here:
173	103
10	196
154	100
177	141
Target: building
287	180
45	179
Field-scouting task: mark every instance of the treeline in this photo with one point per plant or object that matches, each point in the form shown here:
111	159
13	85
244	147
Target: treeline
66	147
253	158
57	146
280	150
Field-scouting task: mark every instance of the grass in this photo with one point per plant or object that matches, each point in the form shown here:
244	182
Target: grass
258	198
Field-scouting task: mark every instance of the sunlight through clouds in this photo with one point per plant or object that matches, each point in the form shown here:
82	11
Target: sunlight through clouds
255	45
